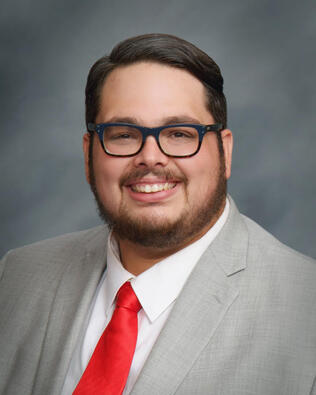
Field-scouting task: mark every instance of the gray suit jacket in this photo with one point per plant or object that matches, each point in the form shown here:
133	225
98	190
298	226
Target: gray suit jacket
245	322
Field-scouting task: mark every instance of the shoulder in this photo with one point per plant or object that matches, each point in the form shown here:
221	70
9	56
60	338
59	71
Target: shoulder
279	274
262	243
54	252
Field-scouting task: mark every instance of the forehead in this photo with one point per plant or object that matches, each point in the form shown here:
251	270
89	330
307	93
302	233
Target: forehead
151	92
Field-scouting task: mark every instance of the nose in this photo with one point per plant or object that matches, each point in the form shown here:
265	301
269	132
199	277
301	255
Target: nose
151	155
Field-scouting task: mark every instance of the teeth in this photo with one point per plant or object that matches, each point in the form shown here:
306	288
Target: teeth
150	188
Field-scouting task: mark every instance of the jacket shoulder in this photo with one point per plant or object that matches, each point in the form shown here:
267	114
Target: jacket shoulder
270	247
54	251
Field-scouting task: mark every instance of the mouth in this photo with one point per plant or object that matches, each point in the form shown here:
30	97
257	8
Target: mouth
152	188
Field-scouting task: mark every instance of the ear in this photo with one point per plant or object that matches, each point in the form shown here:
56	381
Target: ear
86	141
227	138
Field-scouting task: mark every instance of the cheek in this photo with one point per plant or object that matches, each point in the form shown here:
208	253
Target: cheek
107	169
107	173
203	176
203	183
107	177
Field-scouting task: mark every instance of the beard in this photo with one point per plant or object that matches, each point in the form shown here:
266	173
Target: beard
167	233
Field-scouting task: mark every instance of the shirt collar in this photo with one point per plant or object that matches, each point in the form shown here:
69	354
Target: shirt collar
116	274
160	285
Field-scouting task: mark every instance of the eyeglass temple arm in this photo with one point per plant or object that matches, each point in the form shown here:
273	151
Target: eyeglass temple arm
91	127
214	128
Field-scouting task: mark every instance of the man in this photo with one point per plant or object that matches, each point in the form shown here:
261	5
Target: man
217	305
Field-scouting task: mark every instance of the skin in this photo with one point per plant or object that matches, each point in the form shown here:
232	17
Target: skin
151	94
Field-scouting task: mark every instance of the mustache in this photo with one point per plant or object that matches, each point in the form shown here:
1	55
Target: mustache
138	174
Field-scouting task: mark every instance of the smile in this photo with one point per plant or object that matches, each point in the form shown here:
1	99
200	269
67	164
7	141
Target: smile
152	188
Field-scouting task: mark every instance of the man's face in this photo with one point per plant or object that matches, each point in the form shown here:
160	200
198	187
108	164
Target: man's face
128	190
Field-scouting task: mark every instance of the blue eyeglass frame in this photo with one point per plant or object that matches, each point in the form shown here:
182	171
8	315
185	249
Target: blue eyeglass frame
155	132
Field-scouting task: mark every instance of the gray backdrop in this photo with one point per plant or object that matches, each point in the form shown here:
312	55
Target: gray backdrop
266	50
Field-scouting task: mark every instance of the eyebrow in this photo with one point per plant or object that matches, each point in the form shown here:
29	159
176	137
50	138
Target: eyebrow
164	122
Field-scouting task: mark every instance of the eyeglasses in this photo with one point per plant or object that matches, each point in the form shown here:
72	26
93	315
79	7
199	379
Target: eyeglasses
178	141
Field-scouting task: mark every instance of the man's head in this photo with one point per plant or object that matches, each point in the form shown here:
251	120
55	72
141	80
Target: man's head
153	199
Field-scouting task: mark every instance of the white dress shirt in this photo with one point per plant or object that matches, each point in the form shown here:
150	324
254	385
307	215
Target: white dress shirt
157	289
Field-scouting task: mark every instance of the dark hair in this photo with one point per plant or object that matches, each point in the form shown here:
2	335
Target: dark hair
159	48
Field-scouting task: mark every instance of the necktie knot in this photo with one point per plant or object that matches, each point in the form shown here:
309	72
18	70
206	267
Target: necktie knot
127	298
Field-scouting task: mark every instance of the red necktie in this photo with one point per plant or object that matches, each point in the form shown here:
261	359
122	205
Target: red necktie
108	368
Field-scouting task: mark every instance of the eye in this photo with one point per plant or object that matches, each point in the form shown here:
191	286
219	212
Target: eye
121	134
181	134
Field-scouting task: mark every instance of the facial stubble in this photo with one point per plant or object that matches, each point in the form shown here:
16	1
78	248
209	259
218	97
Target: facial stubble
166	233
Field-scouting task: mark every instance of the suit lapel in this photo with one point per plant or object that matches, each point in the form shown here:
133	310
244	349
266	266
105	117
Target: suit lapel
201	306
69	310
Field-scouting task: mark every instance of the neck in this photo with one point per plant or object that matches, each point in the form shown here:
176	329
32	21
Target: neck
136	258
